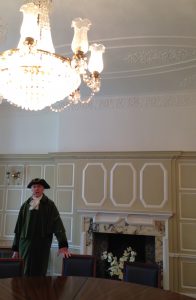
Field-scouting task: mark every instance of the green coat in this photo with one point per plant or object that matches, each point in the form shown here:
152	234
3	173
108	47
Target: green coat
33	235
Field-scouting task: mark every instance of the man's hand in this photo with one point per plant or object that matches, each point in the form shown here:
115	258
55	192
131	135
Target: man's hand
15	254
65	252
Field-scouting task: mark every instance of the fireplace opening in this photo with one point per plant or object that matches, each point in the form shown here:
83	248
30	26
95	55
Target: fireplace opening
116	243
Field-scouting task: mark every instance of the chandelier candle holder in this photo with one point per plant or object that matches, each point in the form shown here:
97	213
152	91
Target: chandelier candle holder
33	76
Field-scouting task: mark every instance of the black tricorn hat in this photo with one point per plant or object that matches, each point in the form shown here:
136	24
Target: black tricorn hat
40	181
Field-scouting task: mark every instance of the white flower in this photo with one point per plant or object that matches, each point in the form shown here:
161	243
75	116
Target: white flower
121	265
117	265
132	259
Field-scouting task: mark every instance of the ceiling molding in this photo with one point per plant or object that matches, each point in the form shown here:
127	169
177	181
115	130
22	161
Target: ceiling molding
140	41
119	103
160	56
138	102
188	82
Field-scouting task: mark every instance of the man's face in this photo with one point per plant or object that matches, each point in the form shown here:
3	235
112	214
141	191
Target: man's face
37	190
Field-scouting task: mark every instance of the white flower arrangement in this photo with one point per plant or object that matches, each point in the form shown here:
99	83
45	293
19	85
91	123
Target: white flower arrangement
117	265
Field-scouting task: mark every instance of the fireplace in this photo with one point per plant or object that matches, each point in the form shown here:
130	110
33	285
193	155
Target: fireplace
147	232
143	245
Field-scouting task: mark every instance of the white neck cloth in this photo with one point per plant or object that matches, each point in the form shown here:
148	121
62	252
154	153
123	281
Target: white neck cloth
34	204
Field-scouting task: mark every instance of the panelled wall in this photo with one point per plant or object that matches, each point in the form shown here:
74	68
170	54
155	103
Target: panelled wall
183	258
132	182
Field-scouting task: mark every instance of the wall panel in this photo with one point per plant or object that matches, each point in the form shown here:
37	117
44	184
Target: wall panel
136	182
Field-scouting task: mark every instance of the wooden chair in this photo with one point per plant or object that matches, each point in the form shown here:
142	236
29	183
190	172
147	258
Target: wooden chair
6	252
142	273
11	267
79	265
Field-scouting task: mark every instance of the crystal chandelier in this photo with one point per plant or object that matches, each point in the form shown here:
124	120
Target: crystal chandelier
33	76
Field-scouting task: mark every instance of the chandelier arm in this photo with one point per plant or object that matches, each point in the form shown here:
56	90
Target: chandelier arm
88	100
34	77
75	97
60	109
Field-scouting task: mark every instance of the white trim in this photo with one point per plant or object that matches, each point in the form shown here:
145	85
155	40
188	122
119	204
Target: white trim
28	166
104	184
165	185
72	199
21	198
3	196
181	247
111	185
155	215
73	174
44	172
182	279
165	240
180	255
4	180
180	177
180	205
1	225
4	225
71	226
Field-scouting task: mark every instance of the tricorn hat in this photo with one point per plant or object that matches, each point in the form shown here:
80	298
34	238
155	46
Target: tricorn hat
40	181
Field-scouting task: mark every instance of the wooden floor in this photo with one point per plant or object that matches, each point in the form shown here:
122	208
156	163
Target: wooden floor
79	288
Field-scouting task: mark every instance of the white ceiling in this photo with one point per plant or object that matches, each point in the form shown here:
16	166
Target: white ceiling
150	44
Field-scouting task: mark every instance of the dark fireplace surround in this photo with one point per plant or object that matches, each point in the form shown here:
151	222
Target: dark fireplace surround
116	243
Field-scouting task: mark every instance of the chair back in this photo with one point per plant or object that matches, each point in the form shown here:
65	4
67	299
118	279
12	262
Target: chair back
6	252
11	267
142	273
79	265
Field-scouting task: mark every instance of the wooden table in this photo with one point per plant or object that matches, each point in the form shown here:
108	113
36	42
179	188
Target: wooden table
79	288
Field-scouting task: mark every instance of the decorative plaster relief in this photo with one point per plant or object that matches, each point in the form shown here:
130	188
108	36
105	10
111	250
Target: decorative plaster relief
138	102
188	82
159	56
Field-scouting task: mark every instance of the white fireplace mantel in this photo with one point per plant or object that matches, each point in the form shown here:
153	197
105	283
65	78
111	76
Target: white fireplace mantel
133	219
112	217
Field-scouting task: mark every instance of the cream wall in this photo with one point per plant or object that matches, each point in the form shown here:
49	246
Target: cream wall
129	127
106	125
28	132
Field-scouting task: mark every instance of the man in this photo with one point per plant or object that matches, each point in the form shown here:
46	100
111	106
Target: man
38	220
